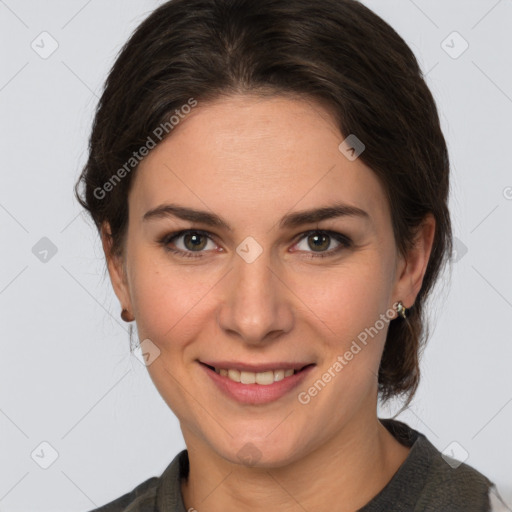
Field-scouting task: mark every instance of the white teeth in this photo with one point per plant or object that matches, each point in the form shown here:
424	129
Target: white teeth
264	378
278	375
248	377
234	375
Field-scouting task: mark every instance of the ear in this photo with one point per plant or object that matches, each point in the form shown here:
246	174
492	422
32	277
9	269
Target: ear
412	268
116	268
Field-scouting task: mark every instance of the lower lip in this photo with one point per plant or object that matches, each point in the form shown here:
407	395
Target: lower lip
256	393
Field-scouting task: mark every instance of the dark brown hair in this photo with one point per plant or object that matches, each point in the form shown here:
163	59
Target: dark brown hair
336	52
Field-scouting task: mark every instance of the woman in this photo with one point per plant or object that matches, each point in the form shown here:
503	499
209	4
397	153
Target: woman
270	183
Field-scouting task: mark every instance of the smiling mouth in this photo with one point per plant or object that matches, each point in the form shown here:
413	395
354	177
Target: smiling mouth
264	378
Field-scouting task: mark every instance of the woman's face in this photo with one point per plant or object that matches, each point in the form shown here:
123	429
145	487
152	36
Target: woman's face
249	289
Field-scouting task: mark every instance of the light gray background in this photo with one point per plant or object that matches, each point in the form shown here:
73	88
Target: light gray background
67	376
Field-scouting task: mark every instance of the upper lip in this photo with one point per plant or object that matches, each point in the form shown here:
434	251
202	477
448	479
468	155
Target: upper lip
262	367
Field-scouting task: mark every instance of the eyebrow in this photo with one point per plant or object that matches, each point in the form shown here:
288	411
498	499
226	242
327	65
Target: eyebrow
290	220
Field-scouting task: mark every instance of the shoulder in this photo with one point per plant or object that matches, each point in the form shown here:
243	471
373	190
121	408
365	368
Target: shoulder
454	486
141	498
430	481
155	493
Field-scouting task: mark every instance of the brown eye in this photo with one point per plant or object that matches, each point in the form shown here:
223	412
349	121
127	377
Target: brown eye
192	241
319	241
188	243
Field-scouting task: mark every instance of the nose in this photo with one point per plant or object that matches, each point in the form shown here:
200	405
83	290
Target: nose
256	306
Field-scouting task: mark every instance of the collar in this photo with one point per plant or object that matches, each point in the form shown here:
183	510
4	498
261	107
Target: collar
170	499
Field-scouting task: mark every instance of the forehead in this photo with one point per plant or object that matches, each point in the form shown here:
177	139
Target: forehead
248	157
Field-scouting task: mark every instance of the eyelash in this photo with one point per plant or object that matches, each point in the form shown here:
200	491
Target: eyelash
345	242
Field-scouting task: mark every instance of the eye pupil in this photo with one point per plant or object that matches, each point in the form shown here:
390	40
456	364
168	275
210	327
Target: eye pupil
322	238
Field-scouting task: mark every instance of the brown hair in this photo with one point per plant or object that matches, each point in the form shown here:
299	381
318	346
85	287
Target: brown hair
337	52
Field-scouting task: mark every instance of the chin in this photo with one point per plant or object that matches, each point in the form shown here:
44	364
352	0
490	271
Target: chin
258	452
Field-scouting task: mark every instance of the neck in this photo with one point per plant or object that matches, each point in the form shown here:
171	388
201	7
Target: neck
349	470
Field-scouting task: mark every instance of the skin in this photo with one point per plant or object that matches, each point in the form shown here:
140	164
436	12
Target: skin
252	160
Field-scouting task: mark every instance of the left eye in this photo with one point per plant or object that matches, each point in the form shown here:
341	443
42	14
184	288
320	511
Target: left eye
320	241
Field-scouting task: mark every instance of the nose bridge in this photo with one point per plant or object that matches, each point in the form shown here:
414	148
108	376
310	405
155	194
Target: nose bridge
256	304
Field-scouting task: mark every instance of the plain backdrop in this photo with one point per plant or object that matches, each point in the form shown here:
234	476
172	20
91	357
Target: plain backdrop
73	398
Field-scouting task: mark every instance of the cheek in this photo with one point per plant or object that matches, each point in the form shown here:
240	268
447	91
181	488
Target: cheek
169	301
345	299
346	305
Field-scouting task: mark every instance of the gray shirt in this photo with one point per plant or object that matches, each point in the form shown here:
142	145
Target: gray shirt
425	482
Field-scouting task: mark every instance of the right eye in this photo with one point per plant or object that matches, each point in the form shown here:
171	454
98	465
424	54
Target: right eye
187	242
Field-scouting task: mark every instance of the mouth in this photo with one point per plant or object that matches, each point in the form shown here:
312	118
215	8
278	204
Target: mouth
265	376
252	384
